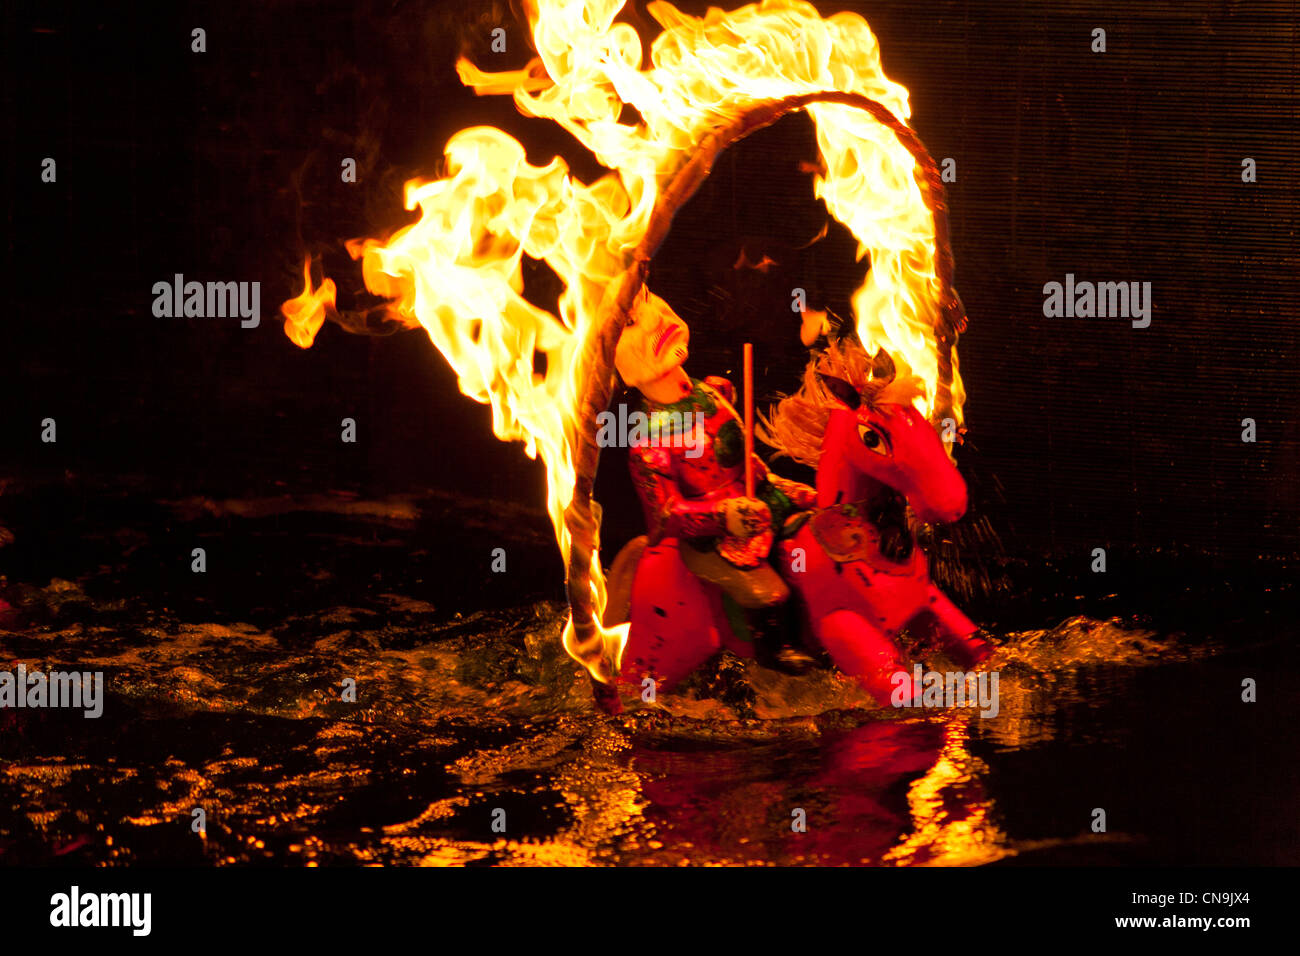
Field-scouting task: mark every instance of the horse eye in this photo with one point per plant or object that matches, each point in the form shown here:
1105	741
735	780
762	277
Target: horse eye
871	438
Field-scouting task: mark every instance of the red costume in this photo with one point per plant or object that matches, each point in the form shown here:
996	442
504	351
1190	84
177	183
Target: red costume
686	476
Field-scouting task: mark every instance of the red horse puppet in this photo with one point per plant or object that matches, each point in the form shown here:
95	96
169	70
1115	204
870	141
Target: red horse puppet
854	561
847	550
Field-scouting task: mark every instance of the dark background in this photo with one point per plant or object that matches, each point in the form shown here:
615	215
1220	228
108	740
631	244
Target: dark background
225	166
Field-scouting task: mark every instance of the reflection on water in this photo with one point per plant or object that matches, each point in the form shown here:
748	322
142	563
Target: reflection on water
468	720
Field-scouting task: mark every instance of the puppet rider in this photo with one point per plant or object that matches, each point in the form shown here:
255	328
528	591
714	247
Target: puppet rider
692	485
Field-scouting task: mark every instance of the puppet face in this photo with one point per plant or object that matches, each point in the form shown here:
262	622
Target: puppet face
653	343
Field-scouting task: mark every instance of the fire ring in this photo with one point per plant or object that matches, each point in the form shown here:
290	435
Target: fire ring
585	640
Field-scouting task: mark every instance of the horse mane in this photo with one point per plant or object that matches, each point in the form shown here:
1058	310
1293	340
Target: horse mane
796	424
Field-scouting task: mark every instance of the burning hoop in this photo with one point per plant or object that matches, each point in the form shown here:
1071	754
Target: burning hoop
716	79
585	642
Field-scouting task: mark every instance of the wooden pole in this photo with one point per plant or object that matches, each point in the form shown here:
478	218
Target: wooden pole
749	419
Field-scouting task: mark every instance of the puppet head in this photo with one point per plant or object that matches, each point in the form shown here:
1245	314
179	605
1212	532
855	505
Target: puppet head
654	342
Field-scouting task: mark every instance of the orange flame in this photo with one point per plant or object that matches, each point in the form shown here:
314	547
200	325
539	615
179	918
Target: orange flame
457	270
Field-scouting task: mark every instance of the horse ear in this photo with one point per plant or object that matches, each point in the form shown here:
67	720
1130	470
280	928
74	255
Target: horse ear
842	390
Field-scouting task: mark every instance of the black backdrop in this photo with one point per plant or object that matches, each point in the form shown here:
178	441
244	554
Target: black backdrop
225	166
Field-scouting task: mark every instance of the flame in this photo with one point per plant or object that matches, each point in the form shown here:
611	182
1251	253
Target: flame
457	270
304	315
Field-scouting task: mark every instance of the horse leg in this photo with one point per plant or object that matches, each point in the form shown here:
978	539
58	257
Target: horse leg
862	650
676	621
956	632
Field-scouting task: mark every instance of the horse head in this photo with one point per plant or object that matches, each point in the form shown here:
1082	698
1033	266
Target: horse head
854	420
895	445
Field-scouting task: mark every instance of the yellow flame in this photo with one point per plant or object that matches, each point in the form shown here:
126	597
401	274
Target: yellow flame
457	270
304	315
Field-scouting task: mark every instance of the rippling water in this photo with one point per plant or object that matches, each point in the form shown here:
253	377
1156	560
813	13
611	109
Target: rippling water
224	693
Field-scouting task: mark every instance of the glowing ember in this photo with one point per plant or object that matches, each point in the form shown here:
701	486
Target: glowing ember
457	270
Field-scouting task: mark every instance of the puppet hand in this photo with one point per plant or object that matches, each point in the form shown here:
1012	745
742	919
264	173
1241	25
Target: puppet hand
802	495
746	517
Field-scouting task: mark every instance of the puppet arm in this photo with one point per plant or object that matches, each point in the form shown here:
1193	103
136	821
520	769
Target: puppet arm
668	512
802	495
